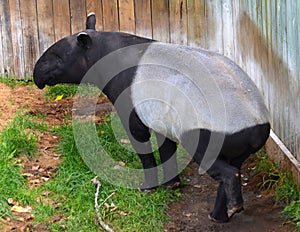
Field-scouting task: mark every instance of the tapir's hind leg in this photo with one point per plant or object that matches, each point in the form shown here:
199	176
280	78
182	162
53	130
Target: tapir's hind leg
250	141
229	179
220	212
167	150
227	175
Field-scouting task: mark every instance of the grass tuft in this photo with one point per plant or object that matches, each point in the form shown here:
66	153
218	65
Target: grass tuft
282	185
17	138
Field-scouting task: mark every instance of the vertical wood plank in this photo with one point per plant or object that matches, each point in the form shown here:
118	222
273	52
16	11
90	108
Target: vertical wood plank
236	12
1	44
110	15
126	16
62	18
178	21
78	15
96	7
17	39
143	25
274	69
160	20
253	62
284	120
213	12
196	23
291	58
228	33
30	35
260	49
6	38
45	24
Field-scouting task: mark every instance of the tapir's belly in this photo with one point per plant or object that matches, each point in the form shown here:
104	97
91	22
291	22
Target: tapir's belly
172	101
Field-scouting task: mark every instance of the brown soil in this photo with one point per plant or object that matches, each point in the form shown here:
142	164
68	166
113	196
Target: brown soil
190	214
261	213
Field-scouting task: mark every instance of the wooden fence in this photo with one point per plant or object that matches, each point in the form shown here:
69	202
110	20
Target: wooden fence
262	36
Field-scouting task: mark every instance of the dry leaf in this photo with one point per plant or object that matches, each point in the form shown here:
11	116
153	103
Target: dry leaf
187	214
20	209
122	213
11	201
36	181
45	178
35	168
21	219
106	205
113	209
122	164
46	193
27	174
124	141
59	97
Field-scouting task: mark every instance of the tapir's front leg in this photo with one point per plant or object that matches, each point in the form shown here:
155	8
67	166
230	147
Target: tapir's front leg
139	135
167	150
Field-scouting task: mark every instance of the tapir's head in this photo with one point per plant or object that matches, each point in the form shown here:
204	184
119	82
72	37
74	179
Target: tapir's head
66	61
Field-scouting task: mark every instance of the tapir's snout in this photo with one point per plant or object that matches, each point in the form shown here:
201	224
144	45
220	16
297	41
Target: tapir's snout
37	78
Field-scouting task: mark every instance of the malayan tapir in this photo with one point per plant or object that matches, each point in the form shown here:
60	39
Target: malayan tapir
241	122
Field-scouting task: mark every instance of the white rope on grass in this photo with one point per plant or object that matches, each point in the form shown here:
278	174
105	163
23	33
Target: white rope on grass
97	206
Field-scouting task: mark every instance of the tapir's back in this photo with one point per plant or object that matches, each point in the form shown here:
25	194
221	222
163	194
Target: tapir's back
178	88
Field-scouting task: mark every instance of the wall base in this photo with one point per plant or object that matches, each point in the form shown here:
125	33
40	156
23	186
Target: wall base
279	153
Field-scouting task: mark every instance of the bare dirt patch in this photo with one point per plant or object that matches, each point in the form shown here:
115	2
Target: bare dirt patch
13	99
199	192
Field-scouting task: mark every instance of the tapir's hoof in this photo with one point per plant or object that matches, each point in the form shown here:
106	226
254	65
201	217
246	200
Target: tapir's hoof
145	189
217	220
234	210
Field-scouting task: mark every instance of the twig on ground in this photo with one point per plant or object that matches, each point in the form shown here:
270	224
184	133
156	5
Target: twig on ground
97	206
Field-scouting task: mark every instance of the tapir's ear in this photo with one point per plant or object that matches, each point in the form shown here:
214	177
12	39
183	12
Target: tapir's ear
91	21
84	40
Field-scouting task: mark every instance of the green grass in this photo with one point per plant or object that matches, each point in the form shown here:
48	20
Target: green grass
16	139
281	183
69	205
73	188
12	81
66	90
69	90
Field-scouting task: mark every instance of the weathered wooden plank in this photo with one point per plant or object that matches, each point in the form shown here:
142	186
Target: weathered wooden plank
196	23
160	20
143	18
252	34
78	15
96	7
213	12
17	39
126	16
62	18
178	21
291	56
6	38
30	35
1	48
45	24
261	50
284	91
228	33
236	14
110	15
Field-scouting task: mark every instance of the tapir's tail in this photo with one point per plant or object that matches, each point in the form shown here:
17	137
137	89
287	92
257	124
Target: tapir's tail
259	136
